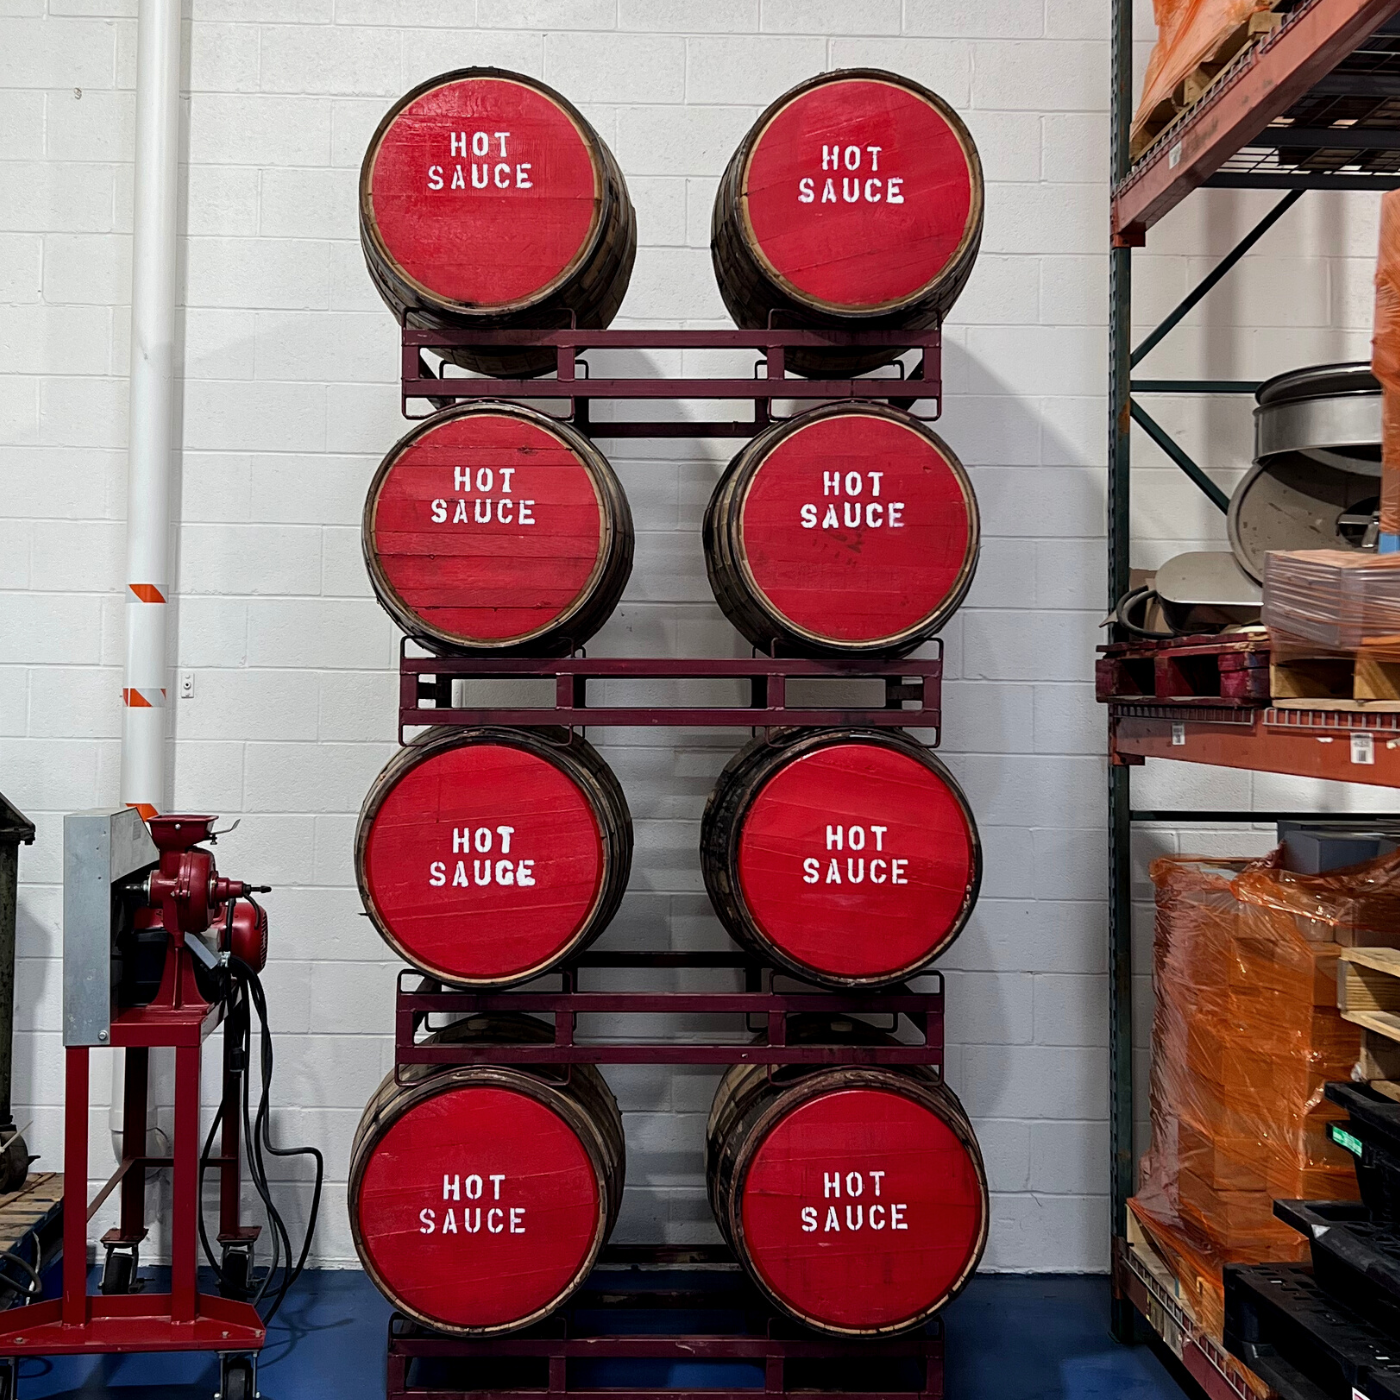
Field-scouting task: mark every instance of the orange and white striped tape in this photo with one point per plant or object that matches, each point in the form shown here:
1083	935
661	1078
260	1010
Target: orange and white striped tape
143	699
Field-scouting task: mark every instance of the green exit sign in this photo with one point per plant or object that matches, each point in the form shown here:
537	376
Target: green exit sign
1342	1138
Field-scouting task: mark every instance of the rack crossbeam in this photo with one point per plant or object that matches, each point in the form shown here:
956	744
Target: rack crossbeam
912	695
578	392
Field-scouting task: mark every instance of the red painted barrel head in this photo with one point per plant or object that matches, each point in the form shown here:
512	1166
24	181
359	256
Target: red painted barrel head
858	528
859	192
484	191
478	1207
856	861
862	1209
487	529
483	862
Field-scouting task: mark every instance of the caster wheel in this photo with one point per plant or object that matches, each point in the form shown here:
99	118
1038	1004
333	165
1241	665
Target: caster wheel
119	1272
236	1272
236	1380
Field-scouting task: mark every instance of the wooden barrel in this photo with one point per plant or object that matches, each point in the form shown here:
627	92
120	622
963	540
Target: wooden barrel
855	202
851	530
486	856
480	1195
855	1197
847	856
493	528
488	202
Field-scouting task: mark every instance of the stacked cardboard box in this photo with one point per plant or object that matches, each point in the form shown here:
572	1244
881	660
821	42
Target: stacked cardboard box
1245	1034
1330	600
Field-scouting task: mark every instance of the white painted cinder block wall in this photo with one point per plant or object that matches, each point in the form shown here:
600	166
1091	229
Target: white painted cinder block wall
289	400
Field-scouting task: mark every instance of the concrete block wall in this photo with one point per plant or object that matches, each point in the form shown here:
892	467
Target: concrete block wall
289	400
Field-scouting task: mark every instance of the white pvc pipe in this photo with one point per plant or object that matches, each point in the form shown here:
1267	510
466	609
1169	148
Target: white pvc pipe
152	403
152	429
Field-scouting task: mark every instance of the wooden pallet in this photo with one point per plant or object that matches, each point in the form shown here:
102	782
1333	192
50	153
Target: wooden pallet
31	1225
1368	995
1322	680
1178	1331
1145	1247
1229	669
1197	82
23	1210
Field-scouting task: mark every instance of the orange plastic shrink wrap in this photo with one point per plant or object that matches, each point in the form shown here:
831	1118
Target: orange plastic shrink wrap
1385	358
1245	1032
1189	33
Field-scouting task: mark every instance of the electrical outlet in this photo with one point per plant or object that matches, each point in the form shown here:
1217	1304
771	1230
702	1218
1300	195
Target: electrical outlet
186	685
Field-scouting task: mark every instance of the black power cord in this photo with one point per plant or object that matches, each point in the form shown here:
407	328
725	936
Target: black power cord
245	991
32	1288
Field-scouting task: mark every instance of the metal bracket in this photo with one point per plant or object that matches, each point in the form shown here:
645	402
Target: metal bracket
100	850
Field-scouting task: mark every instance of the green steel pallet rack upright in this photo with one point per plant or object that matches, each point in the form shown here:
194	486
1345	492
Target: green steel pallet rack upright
1282	116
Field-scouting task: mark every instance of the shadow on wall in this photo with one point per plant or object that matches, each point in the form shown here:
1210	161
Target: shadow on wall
1302	296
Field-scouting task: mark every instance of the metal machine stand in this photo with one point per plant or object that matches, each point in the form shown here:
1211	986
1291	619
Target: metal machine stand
110	863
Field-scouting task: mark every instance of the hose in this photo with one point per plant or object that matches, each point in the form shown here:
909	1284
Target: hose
1144	595
33	1287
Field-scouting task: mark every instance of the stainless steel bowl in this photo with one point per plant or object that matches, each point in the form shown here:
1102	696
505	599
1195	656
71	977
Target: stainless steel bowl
1329	413
1317	452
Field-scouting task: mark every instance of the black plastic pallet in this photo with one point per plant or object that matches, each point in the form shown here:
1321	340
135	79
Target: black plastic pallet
1302	1343
1373	1138
1355	1259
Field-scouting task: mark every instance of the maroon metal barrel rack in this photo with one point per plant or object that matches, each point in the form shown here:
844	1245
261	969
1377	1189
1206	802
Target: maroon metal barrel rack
426	696
921	1011
551	1351
579	392
550	1356
427	680
546	1356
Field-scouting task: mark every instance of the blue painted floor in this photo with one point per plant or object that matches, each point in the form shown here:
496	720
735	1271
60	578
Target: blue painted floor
1045	1337
1009	1338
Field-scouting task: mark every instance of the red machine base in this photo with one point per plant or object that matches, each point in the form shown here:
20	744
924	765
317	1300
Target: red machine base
132	1322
